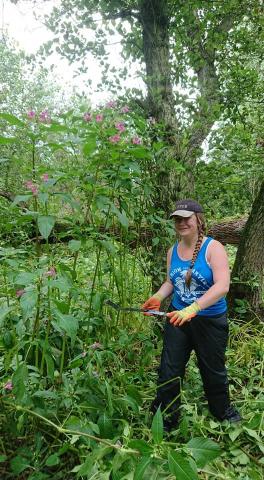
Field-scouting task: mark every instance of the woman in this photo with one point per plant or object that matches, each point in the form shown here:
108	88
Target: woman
198	279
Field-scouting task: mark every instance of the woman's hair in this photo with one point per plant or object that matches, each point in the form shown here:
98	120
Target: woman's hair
201	231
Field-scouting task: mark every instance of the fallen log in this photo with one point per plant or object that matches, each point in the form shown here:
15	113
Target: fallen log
227	232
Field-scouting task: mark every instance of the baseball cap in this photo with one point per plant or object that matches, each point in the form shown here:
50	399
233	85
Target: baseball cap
185	208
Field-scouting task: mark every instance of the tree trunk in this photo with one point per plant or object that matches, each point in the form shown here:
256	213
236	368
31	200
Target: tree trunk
248	272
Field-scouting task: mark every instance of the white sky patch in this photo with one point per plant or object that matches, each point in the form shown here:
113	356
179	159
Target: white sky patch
24	23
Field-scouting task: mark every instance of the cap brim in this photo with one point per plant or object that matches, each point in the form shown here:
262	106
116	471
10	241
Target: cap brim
181	213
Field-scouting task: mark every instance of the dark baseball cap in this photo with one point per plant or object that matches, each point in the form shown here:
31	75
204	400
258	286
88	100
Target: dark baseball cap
185	208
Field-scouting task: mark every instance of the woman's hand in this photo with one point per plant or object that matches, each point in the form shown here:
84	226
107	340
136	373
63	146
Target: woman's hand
179	317
153	303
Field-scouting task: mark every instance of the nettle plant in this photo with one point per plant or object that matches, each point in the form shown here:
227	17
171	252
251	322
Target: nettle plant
67	363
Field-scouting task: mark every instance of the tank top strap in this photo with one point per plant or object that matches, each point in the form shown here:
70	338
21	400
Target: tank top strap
206	243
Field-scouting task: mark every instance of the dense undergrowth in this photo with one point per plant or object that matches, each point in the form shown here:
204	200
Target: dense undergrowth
76	377
75	393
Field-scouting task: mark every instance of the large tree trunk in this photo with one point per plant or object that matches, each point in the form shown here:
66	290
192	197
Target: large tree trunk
248	271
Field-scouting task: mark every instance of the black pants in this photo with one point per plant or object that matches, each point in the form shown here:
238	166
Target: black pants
208	338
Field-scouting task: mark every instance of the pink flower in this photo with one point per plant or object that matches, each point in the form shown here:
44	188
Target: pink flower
99	118
125	109
51	272
21	292
44	117
87	117
136	141
31	114
45	177
96	345
8	386
34	189
30	186
115	138
120	126
111	104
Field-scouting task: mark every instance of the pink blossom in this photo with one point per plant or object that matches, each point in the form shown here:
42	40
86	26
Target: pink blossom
30	186
34	190
45	177
136	141
51	272
31	114
120	126
111	104
44	116
99	118
96	345
8	386
20	292
87	117
125	109
115	138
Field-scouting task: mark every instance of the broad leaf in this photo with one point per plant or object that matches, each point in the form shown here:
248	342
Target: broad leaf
157	427
141	467
45	225
75	245
180	467
203	450
11	119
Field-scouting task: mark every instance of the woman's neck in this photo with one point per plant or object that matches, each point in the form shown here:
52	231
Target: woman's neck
189	241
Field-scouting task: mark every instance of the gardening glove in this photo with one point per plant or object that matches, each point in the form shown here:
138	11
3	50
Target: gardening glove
179	317
153	303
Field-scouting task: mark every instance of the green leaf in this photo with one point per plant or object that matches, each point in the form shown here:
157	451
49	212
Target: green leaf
157	427
7	140
19	381
67	323
123	219
75	245
19	464
11	119
47	394
143	447
4	311
52	460
105	425
203	450
89	146
141	467
21	198
180	467
3	458
28	301
45	225
25	278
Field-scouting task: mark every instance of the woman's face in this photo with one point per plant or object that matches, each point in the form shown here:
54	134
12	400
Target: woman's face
186	226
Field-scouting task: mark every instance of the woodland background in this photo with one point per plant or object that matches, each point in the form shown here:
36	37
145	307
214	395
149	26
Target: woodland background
85	196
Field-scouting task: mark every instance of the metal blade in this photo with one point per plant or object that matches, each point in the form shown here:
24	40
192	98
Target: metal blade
116	306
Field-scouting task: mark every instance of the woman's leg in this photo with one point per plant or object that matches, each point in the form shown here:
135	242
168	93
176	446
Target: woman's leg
175	355
210	336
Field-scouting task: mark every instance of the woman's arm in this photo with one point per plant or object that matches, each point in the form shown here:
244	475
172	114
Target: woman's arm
217	257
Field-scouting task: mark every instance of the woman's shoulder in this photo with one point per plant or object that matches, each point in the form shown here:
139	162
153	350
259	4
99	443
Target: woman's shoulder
214	248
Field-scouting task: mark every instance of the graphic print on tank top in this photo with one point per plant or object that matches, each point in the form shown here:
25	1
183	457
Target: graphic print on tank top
196	290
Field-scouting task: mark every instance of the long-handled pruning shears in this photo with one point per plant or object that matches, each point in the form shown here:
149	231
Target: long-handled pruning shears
134	309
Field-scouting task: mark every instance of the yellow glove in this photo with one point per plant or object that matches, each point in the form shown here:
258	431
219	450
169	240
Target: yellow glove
153	303
179	317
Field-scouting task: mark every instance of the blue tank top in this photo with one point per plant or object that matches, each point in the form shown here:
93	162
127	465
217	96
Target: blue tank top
202	280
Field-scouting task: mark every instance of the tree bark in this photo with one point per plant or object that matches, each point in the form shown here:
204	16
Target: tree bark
248	271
